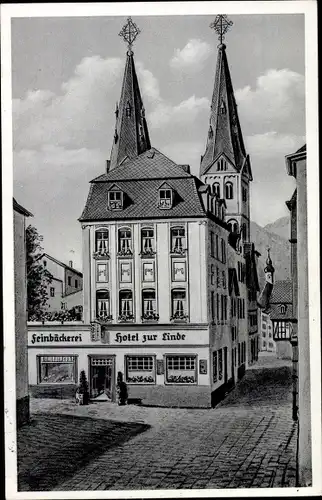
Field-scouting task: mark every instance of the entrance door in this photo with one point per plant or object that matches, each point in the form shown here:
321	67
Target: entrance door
102	378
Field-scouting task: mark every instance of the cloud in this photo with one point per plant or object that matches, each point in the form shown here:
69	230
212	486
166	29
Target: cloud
74	116
272	144
278	98
149	85
186	110
192	56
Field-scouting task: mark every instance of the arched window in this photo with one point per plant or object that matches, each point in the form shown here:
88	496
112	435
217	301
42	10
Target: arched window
148	304
178	238
229	191
147	240
179	308
216	189
103	305
101	241
125	241
125	305
221	165
233	226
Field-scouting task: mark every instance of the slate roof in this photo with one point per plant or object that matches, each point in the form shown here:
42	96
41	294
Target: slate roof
275	312
148	165
140	180
282	292
225	136
21	209
302	149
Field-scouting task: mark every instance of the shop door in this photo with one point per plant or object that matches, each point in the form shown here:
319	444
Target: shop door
102	377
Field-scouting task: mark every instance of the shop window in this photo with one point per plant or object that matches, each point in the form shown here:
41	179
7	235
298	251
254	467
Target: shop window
101	242
229	194
220	364
103	305
149	305
125	305
178	240
215	366
57	369
124	242
52	291
216	189
147	241
179	310
181	369
140	369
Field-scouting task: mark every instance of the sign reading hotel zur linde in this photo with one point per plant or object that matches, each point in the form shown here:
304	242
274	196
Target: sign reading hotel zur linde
105	336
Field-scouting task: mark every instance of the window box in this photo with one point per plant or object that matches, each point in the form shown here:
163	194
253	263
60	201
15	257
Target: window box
147	253
178	251
179	317
125	253
101	254
105	318
150	317
140	369
125	318
179	379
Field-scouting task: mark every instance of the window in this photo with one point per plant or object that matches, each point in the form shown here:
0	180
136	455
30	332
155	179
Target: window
52	291
149	305
76	283
212	275
181	369
57	369
103	305
229	191
128	109
125	305
64	305
218	277
223	251
264	344
233	226
125	272
213	305
165	198
216	189
239	360
101	242
225	307
147	241
218	306
125	242
221	165
282	329
178	270
264	334
115	200
69	280
148	271
224	279
217	246
45	263
178	239
220	364
215	366
178	304
102	273
140	369
244	194
212	244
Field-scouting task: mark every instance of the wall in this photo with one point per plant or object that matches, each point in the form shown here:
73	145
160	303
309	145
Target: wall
54	303
305	460
284	349
22	396
69	273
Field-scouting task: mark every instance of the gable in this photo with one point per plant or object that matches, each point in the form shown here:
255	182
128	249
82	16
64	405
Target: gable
228	165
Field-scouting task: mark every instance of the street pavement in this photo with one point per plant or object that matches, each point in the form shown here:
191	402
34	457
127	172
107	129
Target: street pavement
247	441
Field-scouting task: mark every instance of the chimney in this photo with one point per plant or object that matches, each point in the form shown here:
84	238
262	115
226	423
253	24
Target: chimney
70	263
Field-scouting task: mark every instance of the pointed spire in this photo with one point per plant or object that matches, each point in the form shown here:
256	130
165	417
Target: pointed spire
131	137
227	136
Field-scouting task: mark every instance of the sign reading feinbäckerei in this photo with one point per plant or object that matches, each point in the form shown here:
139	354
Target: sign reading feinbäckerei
117	338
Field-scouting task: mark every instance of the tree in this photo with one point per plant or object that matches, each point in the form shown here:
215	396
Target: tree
38	278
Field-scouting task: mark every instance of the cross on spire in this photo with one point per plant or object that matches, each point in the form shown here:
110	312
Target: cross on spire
129	33
221	25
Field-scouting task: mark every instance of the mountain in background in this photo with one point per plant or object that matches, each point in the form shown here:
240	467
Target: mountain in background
280	251
280	226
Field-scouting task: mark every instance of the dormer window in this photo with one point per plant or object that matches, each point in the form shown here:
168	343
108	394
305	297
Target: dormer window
282	309
165	198
115	199
222	108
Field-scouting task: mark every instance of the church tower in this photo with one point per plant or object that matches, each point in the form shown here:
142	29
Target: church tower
225	165
131	135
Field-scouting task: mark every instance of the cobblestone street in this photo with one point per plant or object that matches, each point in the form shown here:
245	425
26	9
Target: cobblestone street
249	440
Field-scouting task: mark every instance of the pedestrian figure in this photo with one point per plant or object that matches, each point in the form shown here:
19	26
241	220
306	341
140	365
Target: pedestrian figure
121	390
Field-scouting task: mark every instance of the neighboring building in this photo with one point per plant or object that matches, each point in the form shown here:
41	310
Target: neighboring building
282	318
296	167
65	289
225	167
21	334
267	343
166	280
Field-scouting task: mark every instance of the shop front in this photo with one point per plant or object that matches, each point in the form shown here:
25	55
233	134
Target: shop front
160	367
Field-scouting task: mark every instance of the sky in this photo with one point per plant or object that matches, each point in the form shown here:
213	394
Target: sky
66	80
